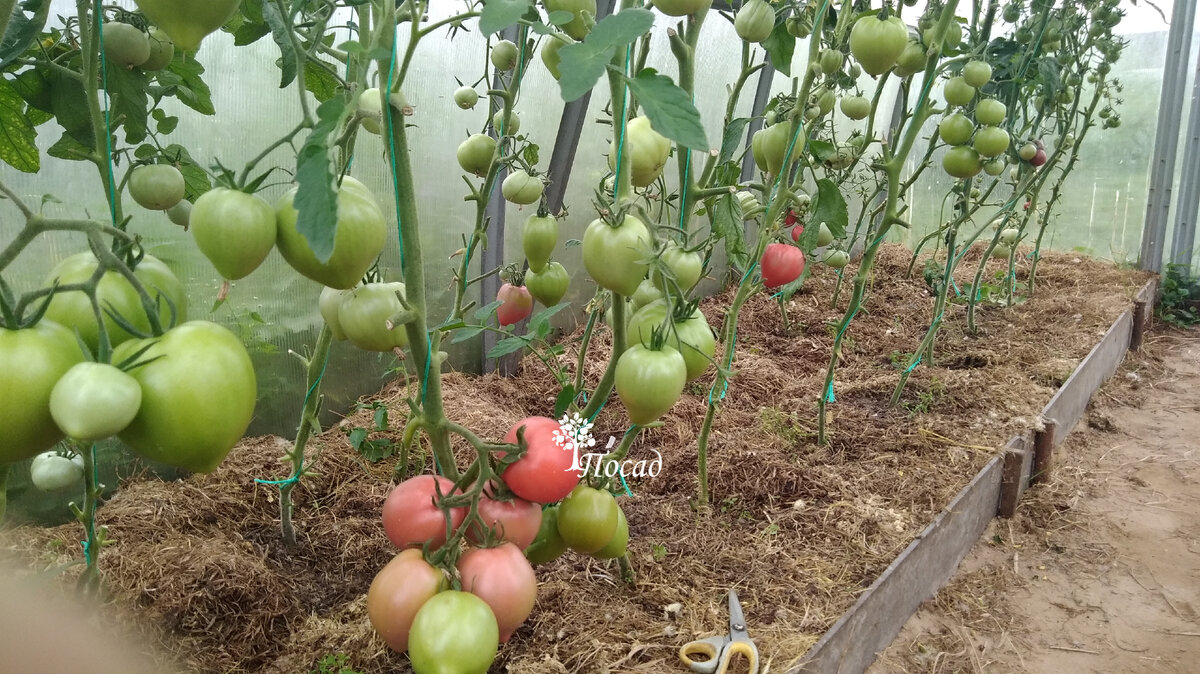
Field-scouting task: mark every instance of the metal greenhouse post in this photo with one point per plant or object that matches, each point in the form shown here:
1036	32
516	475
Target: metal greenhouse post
1162	168
1188	204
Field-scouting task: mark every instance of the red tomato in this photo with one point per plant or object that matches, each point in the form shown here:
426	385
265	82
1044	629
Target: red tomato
410	517
796	232
503	578
516	521
781	264
398	592
544	474
517	304
790	218
1039	158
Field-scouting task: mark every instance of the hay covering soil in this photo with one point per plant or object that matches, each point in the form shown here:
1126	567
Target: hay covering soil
799	530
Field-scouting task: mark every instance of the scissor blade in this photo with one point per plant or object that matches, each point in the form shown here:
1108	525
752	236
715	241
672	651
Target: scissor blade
737	620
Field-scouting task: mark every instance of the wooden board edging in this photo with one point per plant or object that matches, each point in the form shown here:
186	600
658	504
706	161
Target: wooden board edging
925	565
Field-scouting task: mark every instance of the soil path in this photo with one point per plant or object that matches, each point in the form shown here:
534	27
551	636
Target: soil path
1100	570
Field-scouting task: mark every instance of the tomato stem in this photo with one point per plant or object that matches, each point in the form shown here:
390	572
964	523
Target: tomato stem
5	471
315	368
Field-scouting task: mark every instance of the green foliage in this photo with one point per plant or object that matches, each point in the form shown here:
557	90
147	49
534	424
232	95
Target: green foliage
927	399
334	663
373	449
1180	297
669	108
583	63
316	201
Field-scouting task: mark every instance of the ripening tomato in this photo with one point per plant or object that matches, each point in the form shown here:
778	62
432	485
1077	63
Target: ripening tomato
544	474
781	264
502	577
453	633
587	519
398	591
548	545
32	361
515	520
649	382
516	304
797	230
410	514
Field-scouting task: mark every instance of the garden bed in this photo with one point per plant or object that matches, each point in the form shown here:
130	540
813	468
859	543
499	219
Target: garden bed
800	530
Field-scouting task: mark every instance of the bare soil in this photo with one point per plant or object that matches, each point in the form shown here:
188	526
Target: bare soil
1100	569
197	568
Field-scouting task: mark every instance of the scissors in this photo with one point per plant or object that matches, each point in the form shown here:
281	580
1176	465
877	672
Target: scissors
719	651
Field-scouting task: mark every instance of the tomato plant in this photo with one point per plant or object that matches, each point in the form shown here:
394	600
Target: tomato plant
877	43
543	474
33	360
615	256
188	22
516	304
781	264
358	240
235	231
514	520
649	381
51	471
363	314
549	285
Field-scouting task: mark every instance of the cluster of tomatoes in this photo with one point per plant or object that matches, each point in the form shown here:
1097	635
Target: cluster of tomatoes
513	526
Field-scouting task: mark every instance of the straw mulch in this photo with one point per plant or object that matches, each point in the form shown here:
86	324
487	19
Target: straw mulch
799	530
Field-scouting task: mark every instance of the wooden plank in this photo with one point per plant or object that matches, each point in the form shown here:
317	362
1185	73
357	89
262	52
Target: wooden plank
1044	442
1069	403
1018	466
1143	313
925	565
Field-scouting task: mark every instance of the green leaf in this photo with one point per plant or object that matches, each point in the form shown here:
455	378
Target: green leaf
68	102
531	154
195	179
544	316
69	149
506	346
466	333
23	30
18	147
316	201
560	17
583	63
732	141
182	80
780	46
830	209
248	25
127	91
357	436
320	81
34	88
727	224
670	109
377	449
381	418
565	397
482	313
281	32
822	150
500	14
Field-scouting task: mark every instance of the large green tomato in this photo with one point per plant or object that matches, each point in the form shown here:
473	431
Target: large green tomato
329	304
991	112
360	237
769	147
475	153
991	141
197	398
648	152
74	310
956	129
162	50
576	27
363	315
615	256
125	45
681	7
93	401
649	382
587	519
962	162
550	56
453	633
235	231
754	21
156	187
958	92
692	337
522	188
549	285
32	361
188	21
51	471
620	540
877	43
686	267
539	236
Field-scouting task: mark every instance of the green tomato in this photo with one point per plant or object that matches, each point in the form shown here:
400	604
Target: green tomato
991	141
359	239
548	545
994	167
826	99
329	304
181	213
475	154
749	204
549	285
620	541
502	128
837	259
539	236
958	92
878	43
93	401
125	45
769	147
1028	151
956	129
1002	251
856	107
646	293
962	162
51	471
576	27
831	61
1009	235
453	633
648	152
370	108
912	59
977	73
235	231
682	7
504	55
692	337
198	396
188	21
824	236
522	188
686	268
550	56
363	315
32	361
991	112
114	292
162	50
614	256
157	187
466	97
649	383
754	21
587	519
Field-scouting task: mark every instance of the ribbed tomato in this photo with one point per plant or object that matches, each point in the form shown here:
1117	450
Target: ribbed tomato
410	514
543	474
503	578
781	264
399	590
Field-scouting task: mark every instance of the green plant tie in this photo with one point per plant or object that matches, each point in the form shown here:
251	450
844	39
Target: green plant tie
112	181
88	553
307	396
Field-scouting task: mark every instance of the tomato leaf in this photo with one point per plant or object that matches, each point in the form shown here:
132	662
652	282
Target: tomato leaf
127	91
560	17
195	178
544	316
500	14
830	209
69	104
23	30
565	397
247	25
320	81
506	346
780	46
727	225
583	63
69	149
281	32
182	80
670	109
316	200
466	333
18	148
822	150
732	139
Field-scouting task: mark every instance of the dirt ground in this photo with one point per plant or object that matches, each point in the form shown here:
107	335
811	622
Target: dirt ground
1100	570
